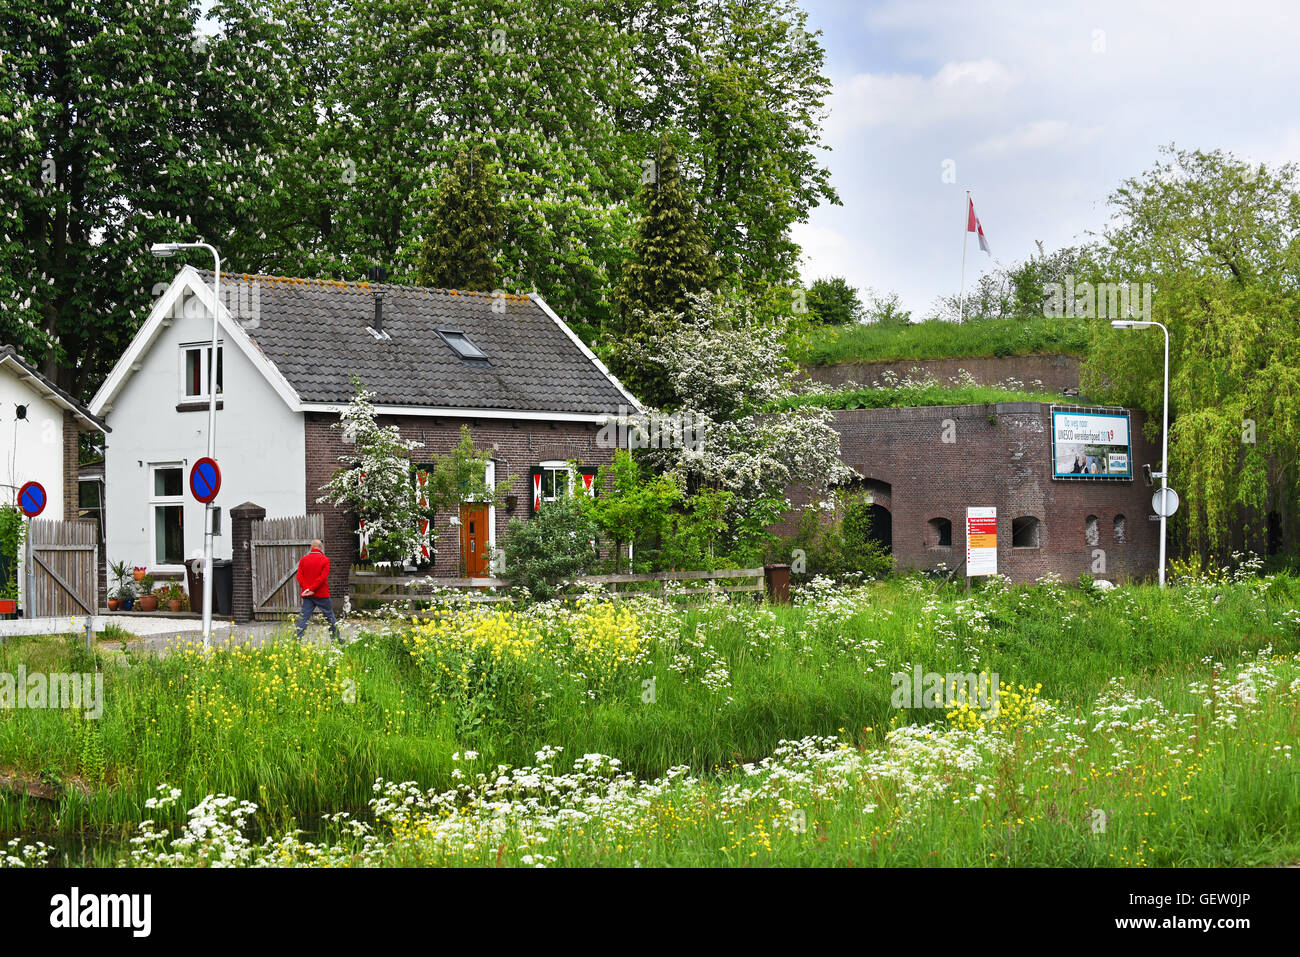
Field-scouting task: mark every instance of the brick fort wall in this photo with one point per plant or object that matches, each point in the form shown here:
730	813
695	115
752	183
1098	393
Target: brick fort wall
999	455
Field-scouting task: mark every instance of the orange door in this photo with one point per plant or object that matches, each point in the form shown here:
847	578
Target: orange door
474	539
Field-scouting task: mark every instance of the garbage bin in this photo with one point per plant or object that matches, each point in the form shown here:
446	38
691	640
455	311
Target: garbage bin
194	579
223	587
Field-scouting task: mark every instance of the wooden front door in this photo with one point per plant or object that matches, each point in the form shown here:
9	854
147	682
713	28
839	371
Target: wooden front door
474	539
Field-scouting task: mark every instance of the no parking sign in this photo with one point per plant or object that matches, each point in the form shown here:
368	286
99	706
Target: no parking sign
32	499
205	479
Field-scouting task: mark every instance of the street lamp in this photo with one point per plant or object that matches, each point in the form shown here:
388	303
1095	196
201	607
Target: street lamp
1164	434
162	251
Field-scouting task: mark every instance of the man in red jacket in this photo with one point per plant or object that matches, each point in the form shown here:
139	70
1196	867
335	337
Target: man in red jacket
314	585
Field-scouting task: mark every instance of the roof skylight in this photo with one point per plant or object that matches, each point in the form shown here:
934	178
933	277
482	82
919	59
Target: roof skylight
461	344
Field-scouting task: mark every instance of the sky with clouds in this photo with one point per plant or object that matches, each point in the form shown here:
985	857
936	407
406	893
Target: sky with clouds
1043	108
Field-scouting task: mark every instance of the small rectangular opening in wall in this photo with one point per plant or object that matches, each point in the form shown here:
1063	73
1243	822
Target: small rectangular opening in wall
1024	532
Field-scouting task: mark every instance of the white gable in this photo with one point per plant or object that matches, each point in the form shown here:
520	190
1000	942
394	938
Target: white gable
188	300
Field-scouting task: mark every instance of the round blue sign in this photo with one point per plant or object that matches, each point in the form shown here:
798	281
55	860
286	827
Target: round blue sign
32	498
205	479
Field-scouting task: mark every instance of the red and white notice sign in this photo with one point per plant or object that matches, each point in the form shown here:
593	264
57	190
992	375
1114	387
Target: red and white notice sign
981	541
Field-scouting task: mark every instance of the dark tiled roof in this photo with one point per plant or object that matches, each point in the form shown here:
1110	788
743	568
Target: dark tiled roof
314	331
85	420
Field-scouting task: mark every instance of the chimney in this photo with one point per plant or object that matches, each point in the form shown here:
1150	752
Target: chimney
378	274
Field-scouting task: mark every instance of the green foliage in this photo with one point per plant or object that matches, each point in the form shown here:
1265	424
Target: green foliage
1219	239
461	476
862	553
630	506
833	302
12	531
886	309
691	533
118	128
375	483
272	723
914	395
465	227
834	543
554	545
670	260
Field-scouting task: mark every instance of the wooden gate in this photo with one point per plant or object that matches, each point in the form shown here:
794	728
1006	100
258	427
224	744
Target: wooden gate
275	547
63	566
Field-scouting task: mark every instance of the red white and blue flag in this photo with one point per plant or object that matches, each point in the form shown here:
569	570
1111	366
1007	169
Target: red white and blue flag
973	226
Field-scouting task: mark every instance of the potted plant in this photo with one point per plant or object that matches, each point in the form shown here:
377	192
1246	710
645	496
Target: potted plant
140	572
123	597
148	600
11	539
172	596
122	590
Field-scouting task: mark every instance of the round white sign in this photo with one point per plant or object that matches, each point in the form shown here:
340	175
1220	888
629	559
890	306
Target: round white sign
1165	502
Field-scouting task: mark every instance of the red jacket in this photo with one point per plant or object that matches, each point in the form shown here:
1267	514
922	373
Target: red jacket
314	574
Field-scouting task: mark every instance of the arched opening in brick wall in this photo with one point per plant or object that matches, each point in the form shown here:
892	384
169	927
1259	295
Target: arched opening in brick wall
880	494
882	527
1092	530
938	533
1121	530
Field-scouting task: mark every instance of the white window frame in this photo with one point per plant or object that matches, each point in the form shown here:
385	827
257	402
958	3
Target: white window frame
157	501
556	465
203	348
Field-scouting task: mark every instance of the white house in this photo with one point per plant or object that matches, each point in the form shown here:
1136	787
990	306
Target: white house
504	365
40	427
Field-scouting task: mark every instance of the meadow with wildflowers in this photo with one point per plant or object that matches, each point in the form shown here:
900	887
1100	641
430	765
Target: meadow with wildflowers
1134	727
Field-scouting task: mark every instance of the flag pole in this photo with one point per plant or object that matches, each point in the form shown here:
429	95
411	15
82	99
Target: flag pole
965	234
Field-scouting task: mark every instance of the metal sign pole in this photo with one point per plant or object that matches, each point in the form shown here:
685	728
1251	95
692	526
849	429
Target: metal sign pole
29	609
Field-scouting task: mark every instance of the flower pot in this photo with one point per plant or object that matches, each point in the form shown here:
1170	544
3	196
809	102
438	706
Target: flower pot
148	602
139	573
128	604
174	605
114	604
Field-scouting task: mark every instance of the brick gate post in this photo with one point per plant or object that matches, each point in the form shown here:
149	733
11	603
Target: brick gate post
241	553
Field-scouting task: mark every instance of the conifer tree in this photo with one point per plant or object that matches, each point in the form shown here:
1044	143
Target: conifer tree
462	245
670	261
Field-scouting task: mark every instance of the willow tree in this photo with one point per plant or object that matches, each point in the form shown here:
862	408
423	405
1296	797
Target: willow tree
1220	240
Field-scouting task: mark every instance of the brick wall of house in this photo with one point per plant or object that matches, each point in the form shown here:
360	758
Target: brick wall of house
71	438
517	445
1000	455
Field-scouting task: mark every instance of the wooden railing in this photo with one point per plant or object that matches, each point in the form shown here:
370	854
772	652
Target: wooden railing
415	589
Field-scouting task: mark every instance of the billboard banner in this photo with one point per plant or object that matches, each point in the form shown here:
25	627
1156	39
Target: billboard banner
981	541
1091	445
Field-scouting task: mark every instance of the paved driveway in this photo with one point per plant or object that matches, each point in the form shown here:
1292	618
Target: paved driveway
160	634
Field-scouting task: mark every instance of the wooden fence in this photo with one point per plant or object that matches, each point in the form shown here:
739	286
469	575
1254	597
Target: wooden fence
63	569
275	546
415	591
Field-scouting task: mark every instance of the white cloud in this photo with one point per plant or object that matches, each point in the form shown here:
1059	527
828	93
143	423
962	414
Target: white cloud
1037	120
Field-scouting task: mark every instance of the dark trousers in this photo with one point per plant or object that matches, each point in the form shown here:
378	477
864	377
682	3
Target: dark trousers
309	605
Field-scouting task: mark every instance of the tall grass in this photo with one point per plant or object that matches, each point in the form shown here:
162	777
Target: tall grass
301	730
936	339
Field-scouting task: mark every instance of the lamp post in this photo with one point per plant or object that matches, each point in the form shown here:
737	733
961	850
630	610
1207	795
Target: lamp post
1164	432
163	250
